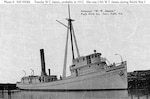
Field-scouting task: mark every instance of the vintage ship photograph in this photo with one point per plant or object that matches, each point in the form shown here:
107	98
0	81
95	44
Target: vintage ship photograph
90	72
74	51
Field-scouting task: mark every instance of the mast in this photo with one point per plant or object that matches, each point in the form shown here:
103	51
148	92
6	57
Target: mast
65	56
70	28
72	35
73	41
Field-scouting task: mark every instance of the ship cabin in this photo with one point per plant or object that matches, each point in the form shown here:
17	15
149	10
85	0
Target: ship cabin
38	79
88	64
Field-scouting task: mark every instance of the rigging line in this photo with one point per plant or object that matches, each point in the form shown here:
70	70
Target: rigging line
75	41
65	56
62	24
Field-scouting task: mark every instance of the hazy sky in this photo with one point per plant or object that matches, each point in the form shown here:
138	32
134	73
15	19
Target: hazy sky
25	29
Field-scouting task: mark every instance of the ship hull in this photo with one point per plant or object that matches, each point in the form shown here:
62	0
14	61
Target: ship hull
108	80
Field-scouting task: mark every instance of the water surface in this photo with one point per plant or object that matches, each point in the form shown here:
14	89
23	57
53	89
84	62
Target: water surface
115	94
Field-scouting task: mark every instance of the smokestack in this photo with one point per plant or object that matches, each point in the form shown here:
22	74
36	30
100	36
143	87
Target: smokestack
49	70
43	72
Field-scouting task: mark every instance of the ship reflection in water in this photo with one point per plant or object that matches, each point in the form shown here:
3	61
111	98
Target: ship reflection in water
122	94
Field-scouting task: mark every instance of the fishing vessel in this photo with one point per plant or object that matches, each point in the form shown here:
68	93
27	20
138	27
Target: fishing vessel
89	72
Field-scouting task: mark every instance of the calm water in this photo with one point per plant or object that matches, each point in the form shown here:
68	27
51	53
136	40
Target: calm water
136	94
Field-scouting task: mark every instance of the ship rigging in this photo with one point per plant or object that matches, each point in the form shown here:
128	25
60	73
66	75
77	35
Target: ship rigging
70	30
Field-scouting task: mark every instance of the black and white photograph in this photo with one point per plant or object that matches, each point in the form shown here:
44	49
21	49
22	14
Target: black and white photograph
75	51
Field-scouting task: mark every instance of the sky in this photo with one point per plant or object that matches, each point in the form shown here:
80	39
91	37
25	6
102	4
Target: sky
25	29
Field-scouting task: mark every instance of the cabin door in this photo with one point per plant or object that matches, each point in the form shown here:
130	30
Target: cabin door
76	72
88	58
